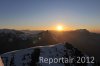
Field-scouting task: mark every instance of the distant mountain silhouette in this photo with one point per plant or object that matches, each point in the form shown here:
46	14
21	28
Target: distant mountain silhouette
13	39
84	40
44	38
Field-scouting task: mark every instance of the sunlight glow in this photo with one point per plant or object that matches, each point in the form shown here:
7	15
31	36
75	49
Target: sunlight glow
60	28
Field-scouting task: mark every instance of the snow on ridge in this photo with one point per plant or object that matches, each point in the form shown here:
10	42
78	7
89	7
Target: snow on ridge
30	56
33	48
7	31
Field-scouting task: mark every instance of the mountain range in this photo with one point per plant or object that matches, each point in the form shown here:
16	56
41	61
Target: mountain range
87	42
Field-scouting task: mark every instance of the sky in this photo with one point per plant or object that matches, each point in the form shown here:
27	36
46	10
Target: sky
46	14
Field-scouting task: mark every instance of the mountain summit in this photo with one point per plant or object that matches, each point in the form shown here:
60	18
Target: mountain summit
45	56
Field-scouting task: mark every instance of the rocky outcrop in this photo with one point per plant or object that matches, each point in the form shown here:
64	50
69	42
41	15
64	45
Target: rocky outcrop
41	55
1	63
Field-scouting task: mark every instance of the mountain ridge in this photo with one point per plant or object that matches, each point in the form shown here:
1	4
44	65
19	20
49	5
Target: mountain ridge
82	39
30	56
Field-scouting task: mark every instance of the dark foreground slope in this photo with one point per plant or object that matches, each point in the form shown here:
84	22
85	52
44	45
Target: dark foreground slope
87	42
31	56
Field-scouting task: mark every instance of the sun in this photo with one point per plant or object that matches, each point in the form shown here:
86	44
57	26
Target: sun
60	28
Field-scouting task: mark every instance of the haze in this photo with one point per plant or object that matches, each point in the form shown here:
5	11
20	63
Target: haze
47	14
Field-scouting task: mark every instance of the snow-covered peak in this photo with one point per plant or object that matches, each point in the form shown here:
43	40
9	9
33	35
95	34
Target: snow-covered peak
31	56
6	31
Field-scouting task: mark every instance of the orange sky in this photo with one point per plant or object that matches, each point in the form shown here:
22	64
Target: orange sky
66	28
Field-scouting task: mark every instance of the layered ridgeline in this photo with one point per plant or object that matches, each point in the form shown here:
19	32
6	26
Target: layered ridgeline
82	39
15	39
63	54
